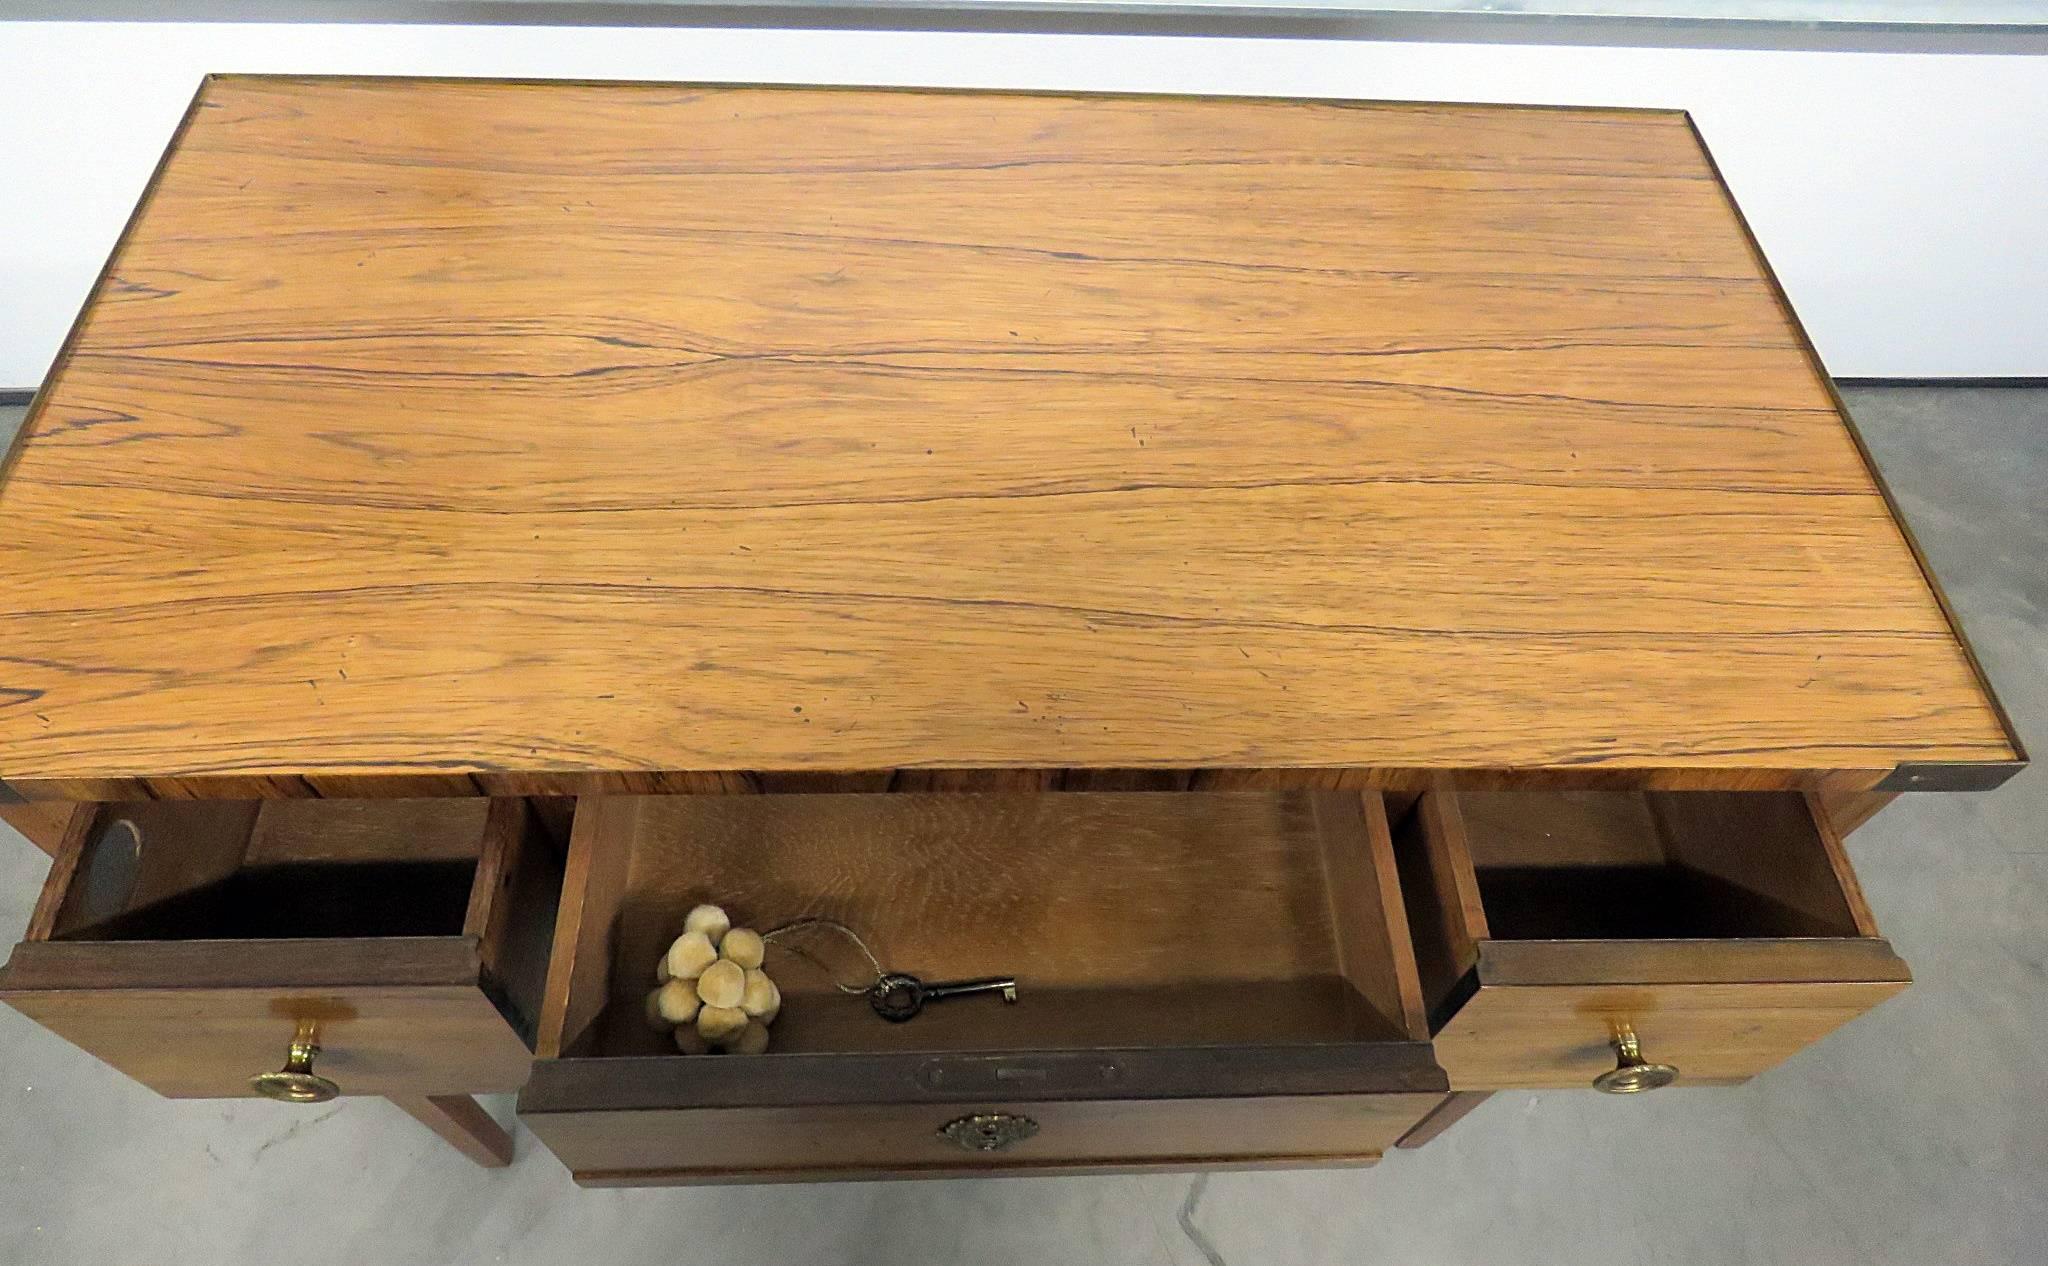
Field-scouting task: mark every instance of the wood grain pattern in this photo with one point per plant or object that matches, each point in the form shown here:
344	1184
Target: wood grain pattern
594	879
513	909
1127	918
1445	915
1368	919
341	831
1559	1035
723	438
191	1041
1511	1012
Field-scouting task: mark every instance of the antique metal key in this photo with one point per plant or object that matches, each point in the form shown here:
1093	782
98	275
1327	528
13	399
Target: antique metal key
899	996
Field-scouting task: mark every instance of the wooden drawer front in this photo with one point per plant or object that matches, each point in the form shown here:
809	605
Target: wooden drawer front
1723	930
167	942
814	1143
1534	1036
1203	979
188	1042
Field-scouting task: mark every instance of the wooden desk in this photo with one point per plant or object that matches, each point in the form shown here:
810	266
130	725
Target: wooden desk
547	440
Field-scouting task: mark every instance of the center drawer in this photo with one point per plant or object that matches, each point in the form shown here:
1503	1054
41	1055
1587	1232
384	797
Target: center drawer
1202	979
1563	934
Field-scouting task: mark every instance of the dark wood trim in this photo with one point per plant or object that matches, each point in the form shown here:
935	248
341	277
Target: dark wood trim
657	1082
15	396
1927	776
1015	1169
1957	775
1963	381
1125	94
1401	781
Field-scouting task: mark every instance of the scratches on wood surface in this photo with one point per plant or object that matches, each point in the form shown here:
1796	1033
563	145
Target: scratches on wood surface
430	432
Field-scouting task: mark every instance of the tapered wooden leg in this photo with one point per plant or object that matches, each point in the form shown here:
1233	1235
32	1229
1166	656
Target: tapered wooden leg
1443	1116
463	1122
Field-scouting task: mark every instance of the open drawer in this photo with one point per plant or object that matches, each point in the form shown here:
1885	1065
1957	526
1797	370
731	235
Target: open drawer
190	944
1202	980
1563	935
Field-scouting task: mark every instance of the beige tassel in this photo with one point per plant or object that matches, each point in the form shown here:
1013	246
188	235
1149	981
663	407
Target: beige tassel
716	1024
752	1040
708	919
723	984
743	946
690	955
761	999
677	1001
690	1042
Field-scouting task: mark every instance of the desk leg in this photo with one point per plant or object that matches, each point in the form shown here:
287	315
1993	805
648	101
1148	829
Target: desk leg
463	1122
1443	1116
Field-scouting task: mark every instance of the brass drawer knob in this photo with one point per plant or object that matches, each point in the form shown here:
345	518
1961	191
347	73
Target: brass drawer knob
989	1131
296	1082
1632	1074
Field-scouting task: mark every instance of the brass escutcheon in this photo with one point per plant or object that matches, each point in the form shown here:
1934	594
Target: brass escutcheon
989	1131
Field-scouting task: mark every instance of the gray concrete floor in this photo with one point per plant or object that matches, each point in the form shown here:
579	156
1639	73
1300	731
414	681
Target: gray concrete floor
1917	1135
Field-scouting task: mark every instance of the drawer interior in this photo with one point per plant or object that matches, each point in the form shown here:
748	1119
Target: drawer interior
1723	931
186	942
1128	919
272	870
1649	865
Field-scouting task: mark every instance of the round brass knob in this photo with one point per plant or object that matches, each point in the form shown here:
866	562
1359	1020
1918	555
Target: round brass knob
296	1082
1632	1074
989	1131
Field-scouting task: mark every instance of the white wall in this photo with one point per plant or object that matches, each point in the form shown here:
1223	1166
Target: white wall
1902	197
